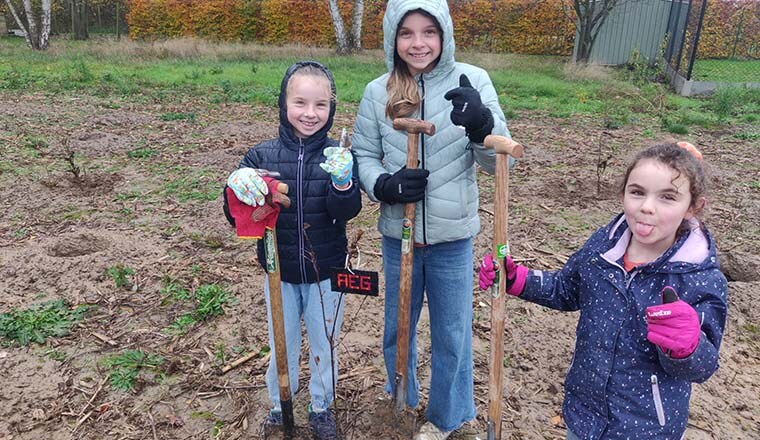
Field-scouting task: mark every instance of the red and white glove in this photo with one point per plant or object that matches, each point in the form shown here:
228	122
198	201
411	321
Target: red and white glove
674	327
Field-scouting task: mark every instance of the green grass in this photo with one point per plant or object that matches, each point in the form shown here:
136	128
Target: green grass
726	70
178	71
125	367
39	321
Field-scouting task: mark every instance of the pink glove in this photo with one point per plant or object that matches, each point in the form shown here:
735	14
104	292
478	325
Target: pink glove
487	272
674	327
517	274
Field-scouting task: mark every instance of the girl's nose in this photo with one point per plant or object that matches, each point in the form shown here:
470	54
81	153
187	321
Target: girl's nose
647	205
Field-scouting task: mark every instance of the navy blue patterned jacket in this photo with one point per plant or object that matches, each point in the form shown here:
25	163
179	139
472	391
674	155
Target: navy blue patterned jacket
313	230
619	385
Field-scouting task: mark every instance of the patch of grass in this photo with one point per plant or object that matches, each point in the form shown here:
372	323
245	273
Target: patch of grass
40	321
142	153
674	127
195	185
725	70
125	367
173	289
209	302
175	116
120	274
748	135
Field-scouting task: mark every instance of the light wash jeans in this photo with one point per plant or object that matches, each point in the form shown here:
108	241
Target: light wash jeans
303	301
443	272
571	436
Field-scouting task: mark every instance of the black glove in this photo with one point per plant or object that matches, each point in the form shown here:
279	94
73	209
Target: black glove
403	186
469	110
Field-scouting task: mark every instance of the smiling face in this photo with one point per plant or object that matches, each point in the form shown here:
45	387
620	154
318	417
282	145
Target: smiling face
308	103
656	199
418	42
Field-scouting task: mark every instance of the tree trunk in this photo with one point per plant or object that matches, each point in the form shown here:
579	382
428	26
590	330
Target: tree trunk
45	22
20	23
37	36
356	26
591	16
340	31
34	35
79	21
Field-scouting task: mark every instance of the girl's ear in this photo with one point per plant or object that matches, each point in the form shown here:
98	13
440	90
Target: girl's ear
697	208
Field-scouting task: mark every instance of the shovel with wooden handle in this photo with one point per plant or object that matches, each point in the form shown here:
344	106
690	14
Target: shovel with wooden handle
413	127
275	301
504	147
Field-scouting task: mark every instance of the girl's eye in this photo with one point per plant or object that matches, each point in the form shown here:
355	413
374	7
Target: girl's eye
669	197
636	192
431	32
404	34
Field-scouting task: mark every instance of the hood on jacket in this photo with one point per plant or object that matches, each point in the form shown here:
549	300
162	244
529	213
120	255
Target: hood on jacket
439	9
286	128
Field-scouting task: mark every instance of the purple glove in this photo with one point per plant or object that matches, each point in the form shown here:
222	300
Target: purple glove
517	274
674	327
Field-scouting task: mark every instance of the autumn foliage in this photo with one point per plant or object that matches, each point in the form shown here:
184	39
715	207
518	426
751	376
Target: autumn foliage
730	30
517	26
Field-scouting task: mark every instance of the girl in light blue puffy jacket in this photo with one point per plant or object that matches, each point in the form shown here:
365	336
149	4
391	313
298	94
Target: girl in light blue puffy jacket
425	82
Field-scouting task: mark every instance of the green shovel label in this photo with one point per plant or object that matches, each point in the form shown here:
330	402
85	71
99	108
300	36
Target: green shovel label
269	250
502	250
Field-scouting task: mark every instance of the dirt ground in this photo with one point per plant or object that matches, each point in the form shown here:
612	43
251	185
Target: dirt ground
159	215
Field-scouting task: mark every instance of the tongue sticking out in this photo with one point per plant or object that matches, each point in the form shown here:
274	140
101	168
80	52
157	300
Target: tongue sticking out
643	229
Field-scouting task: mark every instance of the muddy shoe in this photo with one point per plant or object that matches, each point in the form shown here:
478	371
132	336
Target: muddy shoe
272	424
431	432
323	425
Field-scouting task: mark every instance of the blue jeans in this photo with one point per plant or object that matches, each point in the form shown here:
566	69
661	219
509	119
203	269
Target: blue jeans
443	272
571	436
320	318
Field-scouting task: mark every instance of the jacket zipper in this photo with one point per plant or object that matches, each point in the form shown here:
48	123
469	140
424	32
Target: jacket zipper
422	158
299	196
657	400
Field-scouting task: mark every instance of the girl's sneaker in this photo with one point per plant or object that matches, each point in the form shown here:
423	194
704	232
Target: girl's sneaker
272	424
322	424
431	432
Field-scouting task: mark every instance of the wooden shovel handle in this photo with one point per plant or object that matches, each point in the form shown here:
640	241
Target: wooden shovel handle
503	145
414	126
263	212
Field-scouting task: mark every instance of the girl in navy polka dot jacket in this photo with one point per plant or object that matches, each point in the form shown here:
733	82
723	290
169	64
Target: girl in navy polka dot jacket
636	356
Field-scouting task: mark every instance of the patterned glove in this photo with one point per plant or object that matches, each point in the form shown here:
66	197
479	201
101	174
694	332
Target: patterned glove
517	274
248	186
469	110
674	327
339	163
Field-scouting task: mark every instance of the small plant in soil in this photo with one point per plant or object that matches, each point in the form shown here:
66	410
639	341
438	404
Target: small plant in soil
120	275
125	367
39	321
172	289
76	171
209	302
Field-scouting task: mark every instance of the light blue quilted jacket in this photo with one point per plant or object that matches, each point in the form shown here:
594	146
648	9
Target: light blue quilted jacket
449	210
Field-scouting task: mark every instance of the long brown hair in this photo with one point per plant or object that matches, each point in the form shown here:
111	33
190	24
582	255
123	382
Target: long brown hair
403	94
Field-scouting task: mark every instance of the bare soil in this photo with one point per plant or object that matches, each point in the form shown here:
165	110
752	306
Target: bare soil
60	232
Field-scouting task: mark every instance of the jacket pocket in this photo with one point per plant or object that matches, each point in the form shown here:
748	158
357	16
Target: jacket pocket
657	400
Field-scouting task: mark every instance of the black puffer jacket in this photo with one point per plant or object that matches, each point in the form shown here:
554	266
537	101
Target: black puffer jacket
315	223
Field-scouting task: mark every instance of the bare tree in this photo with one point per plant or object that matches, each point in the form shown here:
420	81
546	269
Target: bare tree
36	23
347	43
591	15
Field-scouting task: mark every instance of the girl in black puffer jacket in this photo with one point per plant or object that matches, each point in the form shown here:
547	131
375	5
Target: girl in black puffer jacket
311	233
